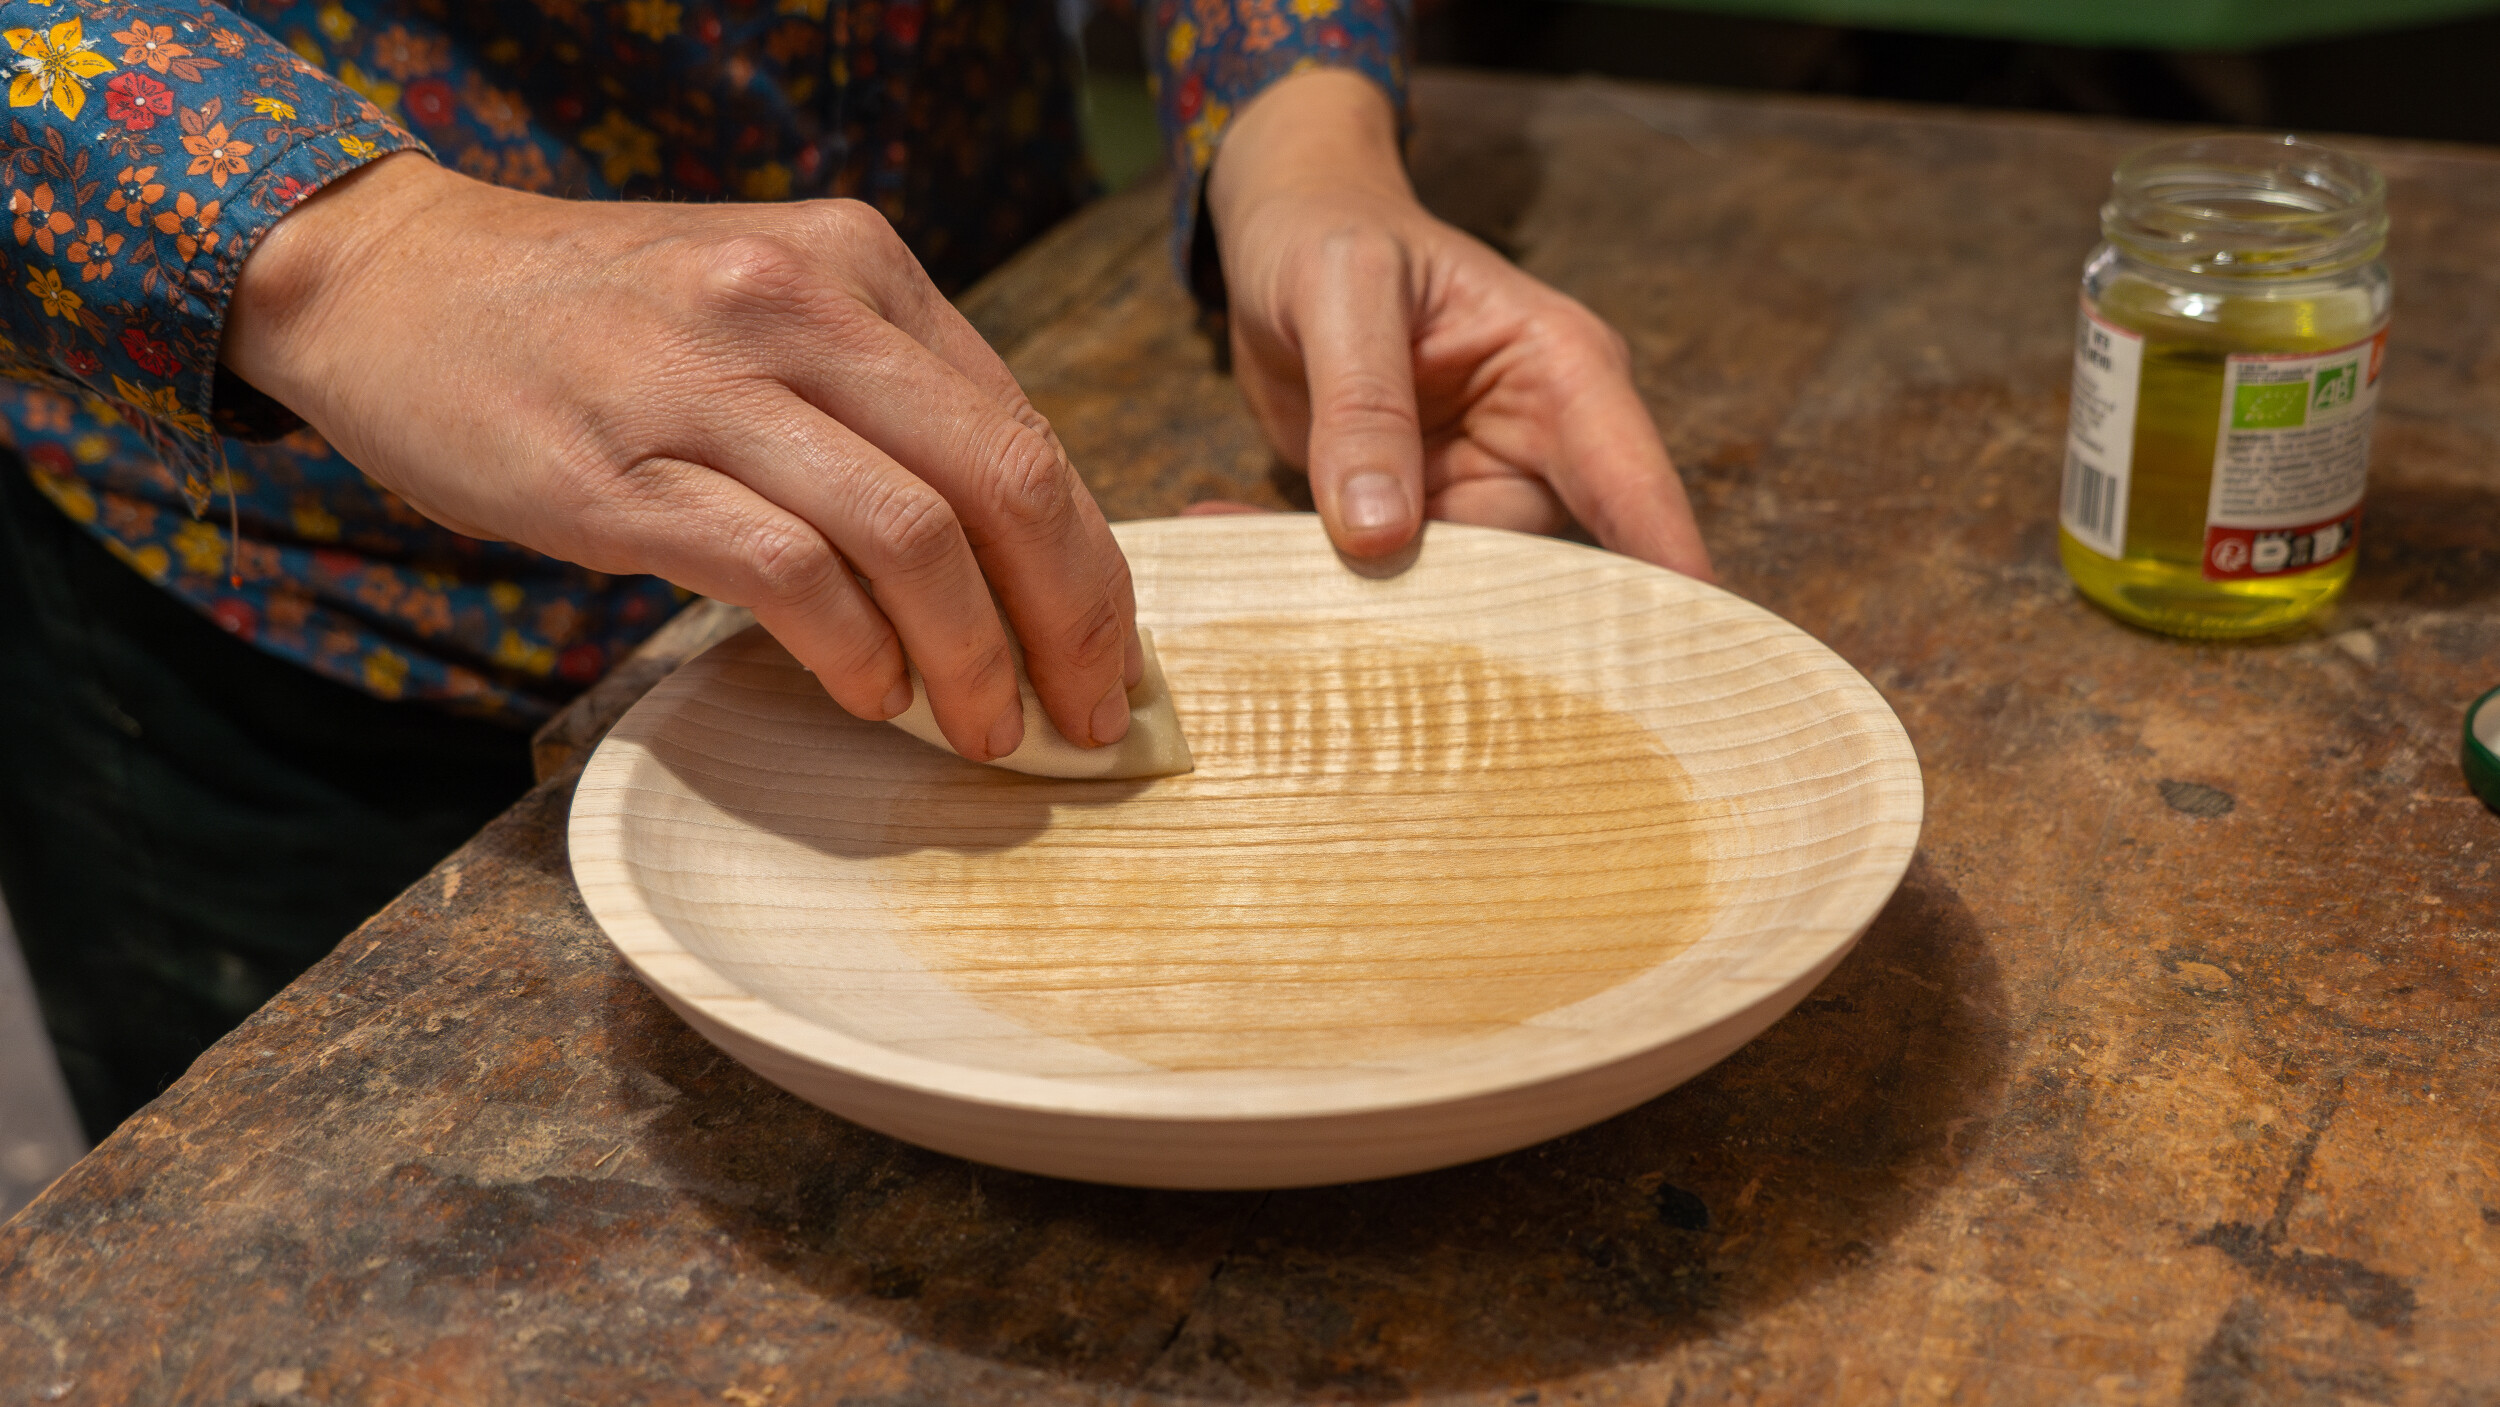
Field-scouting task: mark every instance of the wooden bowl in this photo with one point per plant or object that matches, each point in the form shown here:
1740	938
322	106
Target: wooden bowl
1477	853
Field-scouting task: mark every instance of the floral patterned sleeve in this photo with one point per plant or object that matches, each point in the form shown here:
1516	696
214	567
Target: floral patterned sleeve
1208	58
148	147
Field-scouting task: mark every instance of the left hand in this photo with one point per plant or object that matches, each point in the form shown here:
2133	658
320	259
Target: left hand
1410	370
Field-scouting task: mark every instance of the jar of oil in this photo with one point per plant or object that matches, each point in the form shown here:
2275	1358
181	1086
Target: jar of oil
2227	361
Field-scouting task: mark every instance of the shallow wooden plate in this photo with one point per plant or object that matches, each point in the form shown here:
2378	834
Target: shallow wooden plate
1477	853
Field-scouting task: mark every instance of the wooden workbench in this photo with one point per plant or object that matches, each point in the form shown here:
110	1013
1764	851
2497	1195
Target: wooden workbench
2169	1075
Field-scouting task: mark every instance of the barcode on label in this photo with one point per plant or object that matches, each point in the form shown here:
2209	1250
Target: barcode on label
2091	505
2100	434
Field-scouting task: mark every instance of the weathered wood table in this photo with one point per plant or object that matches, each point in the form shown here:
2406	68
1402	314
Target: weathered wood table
2168	1076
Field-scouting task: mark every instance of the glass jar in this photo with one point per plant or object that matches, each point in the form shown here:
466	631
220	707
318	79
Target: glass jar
2226	364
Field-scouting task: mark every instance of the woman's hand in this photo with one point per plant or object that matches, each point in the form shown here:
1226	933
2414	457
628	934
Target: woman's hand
767	404
1409	369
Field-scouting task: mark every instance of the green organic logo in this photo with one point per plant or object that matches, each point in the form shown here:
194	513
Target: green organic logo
2335	386
2277	407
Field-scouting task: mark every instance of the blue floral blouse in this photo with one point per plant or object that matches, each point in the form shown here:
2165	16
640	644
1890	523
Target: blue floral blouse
148	146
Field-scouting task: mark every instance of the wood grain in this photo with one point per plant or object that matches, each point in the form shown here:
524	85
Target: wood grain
1475	853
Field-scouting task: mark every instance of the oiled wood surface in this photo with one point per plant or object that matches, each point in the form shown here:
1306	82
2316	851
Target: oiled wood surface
2168	1077
1475	853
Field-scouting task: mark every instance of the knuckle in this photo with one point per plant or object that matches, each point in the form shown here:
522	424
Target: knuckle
868	654
1033	420
855	220
915	528
790	563
1577	332
1031	488
1365	252
875	252
1365	397
752	273
1096	635
984	668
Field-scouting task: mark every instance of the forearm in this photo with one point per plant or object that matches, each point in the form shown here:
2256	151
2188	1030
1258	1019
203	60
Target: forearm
313	268
1323	131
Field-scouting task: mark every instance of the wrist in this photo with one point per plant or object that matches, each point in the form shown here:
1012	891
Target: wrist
301	285
1324	131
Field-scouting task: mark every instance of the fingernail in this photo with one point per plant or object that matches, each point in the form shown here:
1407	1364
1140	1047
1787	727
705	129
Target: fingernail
897	699
1007	732
1133	661
1111	717
1373	500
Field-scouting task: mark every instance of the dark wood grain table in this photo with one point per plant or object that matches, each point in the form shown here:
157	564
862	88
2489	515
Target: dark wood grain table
2168	1076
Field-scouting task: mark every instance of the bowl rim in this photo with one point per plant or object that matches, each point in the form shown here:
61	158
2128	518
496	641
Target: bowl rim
1878	860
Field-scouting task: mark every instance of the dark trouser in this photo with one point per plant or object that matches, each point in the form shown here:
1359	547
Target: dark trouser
186	823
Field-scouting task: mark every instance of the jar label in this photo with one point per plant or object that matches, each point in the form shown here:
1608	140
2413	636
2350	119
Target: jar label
2100	433
2291	460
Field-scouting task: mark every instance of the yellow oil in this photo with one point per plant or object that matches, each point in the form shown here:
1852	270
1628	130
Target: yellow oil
2160	583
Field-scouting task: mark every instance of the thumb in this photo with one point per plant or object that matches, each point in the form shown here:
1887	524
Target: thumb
1366	447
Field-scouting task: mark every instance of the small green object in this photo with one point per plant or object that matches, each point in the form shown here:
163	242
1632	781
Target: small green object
2482	748
2283	407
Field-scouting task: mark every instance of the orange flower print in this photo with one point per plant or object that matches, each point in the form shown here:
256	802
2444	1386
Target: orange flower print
152	45
380	589
560	621
37	220
403	55
525	169
201	221
288	610
217	155
134	190
53	66
94	254
501	113
1262	28
428	611
127	518
44	411
257	561
476	162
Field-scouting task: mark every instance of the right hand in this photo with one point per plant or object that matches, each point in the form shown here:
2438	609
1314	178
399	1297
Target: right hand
768	404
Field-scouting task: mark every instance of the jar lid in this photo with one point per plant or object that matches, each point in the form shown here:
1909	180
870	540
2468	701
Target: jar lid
2482	748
